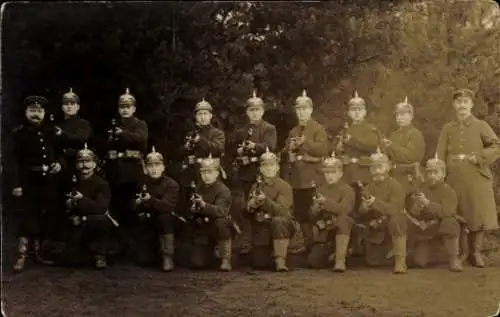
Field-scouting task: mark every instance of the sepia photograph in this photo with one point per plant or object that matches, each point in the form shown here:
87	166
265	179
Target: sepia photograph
250	158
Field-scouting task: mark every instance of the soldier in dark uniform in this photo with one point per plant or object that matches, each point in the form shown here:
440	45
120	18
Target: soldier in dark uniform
433	213
270	208
382	213
332	204
35	177
209	220
155	204
305	146
72	132
90	223
494	122
127	142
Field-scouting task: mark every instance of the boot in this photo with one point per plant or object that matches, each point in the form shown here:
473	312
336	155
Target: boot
399	246
22	250
477	245
37	250
341	243
421	254
225	252
100	261
452	248
167	251
280	247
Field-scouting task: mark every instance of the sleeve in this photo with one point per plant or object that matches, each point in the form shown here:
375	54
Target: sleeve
138	135
491	145
270	138
413	151
168	202
448	205
81	134
252	188
442	144
394	204
287	142
12	157
99	204
317	147
220	208
282	206
215	144
367	141
344	205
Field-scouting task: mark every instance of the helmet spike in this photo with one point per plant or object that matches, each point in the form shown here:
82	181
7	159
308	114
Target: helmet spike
436	156
267	149
378	150
70	90
304	93
85	146
254	94
127	91
406	100
333	154
153	150
356	94
210	155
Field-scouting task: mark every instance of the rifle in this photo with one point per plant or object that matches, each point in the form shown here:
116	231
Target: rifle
142	214
422	224
189	146
260	215
323	218
341	137
293	153
194	209
244	146
112	136
376	220
75	219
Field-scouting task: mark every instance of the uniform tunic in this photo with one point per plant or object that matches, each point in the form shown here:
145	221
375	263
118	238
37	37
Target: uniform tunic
339	202
406	152
75	132
494	121
472	183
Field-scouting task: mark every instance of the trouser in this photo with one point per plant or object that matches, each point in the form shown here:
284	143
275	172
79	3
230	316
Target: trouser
302	200
264	236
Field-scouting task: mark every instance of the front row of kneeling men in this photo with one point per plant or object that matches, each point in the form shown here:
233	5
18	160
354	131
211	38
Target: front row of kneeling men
384	212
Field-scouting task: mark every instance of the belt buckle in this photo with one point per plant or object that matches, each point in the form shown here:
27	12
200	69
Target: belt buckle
112	155
121	154
354	160
191	159
45	168
461	156
299	157
245	160
254	159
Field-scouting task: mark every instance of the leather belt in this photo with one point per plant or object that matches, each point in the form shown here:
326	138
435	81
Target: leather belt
39	168
364	160
191	159
404	166
113	155
459	157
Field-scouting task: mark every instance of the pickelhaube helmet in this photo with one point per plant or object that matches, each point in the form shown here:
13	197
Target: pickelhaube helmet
85	153
379	157
356	101
435	163
154	157
210	163
203	105
36	101
126	98
331	163
304	100
70	97
404	107
268	156
255	101
463	92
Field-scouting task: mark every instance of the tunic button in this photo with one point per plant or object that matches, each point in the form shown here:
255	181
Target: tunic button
44	156
43	147
41	140
44	174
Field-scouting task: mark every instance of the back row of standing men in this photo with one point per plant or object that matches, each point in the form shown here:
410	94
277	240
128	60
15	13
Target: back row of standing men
341	194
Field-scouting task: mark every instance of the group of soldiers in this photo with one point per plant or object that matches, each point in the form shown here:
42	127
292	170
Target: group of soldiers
366	193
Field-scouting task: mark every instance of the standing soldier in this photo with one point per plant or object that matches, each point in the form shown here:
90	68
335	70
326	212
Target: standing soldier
35	177
469	146
72	132
209	217
405	147
270	207
332	204
87	205
127	141
494	121
305	146
433	213
381	213
155	205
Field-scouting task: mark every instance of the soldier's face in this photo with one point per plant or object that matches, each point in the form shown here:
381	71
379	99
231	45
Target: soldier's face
357	114
34	114
203	117
126	110
70	108
255	113
86	166
379	171
155	170
303	113
435	176
403	119
209	176
463	106
269	169
333	176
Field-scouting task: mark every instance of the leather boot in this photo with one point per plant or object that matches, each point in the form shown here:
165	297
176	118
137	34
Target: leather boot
100	261
167	252
225	252
37	250
22	250
421	254
280	247
341	243
477	246
399	246
452	248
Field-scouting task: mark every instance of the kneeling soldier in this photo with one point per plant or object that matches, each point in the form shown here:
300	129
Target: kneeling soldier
155	207
381	212
87	205
433	212
332	204
270	205
209	218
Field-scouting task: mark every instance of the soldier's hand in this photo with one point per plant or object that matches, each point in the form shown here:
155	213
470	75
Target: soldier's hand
473	159
196	138
198	200
55	168
240	151
300	140
347	138
386	142
146	197
118	130
17	192
75	220
77	196
421	199
250	145
367	203
68	203
58	130
253	203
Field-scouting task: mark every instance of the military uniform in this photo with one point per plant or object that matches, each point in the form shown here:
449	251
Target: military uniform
406	150
305	165
436	217
381	213
494	121
331	210
89	220
458	143
272	221
210	223
124	165
35	160
156	216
